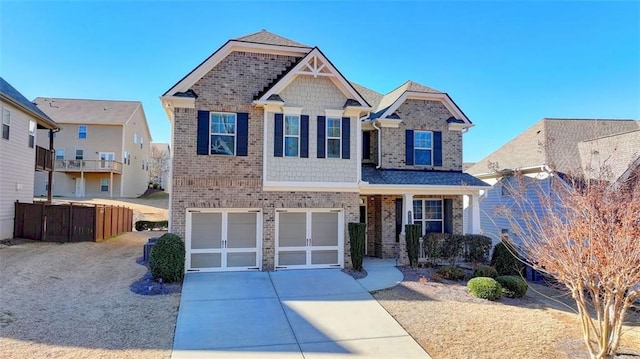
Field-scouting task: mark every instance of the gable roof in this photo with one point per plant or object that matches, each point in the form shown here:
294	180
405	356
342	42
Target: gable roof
610	156
372	97
88	112
10	94
551	142
265	37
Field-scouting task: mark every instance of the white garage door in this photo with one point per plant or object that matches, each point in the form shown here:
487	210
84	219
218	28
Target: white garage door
223	240
309	238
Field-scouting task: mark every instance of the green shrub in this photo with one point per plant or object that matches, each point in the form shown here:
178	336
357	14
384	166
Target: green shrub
485	288
413	242
432	246
514	286
504	261
151	225
357	237
451	272
476	248
452	248
166	260
484	271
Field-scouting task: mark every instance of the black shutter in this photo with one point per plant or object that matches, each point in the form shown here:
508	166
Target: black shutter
277	136
398	218
346	138
437	148
242	133
448	216
408	147
202	144
366	145
321	136
304	136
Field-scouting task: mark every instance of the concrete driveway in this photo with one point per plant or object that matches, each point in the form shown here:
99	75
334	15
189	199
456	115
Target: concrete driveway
321	313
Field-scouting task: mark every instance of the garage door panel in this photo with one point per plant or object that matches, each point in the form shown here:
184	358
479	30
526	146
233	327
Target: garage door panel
292	258
292	229
206	260
241	230
206	230
243	259
324	229
324	257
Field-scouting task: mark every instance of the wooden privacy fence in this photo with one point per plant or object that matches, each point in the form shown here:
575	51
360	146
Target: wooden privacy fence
70	222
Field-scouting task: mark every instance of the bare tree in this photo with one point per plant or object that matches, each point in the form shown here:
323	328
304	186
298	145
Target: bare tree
158	164
586	234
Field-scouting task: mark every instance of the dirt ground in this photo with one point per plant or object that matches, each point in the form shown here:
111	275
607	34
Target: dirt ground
450	323
72	300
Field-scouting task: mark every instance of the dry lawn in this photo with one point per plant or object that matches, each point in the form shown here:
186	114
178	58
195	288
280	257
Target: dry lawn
72	300
450	323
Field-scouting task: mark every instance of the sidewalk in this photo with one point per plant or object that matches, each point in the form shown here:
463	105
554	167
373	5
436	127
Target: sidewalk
381	274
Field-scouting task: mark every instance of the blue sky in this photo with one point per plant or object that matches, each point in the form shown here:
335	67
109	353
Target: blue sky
506	64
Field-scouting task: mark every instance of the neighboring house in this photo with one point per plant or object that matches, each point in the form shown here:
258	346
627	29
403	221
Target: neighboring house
550	150
19	154
159	165
274	152
102	149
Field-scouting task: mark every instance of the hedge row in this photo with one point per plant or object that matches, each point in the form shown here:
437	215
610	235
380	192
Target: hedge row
438	247
151	225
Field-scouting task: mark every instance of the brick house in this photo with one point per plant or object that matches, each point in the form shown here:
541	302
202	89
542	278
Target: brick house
275	152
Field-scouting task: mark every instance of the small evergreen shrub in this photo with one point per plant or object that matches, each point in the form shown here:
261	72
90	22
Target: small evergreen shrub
504	260
151	225
452	248
357	233
451	272
514	286
476	248
484	271
485	288
432	246
166	260
413	243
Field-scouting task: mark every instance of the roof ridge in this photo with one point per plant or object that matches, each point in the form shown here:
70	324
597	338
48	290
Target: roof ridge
268	38
83	99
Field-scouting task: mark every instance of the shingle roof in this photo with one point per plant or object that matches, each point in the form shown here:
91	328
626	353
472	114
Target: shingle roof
552	142
78	111
415	177
265	37
611	154
387	100
11	94
372	97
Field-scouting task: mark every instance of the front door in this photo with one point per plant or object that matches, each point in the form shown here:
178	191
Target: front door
223	240
309	238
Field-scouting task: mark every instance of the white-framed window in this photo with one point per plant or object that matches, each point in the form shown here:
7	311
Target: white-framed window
423	148
135	138
6	123
334	137
428	214
141	141
32	134
79	154
82	131
222	133
291	136
104	185
59	153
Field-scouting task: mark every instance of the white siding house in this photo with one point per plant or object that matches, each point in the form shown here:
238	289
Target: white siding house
20	119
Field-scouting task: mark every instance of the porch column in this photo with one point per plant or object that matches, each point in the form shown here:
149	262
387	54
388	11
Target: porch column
474	214
111	184
407	207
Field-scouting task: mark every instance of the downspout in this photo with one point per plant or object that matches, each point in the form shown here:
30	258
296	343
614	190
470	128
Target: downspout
373	123
53	164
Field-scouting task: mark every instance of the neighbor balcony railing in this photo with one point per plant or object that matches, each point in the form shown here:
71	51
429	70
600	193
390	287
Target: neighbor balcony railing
44	159
88	166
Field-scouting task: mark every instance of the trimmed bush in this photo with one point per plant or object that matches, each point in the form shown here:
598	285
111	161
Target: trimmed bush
167	258
432	246
514	286
151	225
357	233
504	260
452	248
476	248
485	288
413	242
451	272
484	271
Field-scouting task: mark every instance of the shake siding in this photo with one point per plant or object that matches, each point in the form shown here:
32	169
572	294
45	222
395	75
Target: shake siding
421	115
16	155
314	95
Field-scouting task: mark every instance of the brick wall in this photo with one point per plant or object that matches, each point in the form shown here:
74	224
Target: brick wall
421	115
